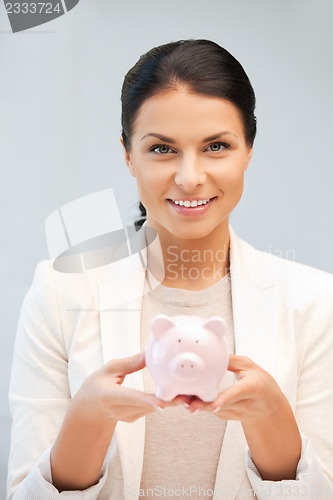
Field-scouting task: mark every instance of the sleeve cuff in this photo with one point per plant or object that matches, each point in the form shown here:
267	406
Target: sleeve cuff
310	482
38	484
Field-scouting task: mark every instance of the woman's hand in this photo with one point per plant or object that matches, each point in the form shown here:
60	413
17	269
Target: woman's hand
267	419
80	448
102	398
254	397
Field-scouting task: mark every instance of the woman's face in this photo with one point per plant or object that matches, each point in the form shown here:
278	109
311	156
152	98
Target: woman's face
187	147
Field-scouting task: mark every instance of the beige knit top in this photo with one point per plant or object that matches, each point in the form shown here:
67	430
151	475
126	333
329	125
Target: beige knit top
182	450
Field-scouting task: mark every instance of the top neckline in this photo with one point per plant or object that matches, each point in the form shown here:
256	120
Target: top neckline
190	298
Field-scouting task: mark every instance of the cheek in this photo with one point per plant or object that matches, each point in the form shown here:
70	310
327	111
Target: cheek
150	182
232	179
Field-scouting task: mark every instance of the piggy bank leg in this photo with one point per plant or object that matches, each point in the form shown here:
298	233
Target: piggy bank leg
164	394
208	396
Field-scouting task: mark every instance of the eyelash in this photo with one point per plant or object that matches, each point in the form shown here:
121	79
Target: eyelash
224	144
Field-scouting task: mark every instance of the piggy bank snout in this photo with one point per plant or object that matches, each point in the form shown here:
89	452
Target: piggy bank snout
186	365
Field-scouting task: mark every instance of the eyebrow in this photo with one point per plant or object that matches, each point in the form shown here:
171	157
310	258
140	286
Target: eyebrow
172	141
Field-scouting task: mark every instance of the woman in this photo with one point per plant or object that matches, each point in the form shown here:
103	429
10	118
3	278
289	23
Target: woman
78	390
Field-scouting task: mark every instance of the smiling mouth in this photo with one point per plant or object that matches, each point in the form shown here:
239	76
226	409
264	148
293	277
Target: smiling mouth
192	203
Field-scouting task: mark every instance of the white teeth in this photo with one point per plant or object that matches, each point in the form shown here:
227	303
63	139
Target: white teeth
193	203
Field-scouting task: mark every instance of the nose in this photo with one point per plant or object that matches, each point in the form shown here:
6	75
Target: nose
189	174
186	365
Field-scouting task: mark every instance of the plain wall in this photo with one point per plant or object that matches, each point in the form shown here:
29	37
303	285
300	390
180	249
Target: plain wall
60	125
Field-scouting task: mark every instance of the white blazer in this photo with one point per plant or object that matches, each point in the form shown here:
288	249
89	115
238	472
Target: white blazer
69	326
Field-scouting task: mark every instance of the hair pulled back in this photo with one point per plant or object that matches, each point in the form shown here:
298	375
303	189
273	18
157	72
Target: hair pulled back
203	66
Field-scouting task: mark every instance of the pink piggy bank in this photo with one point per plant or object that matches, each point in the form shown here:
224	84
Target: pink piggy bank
187	355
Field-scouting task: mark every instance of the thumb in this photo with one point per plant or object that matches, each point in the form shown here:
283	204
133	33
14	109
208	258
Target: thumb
239	363
123	366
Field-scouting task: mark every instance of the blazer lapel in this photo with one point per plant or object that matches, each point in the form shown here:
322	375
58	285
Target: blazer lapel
255	313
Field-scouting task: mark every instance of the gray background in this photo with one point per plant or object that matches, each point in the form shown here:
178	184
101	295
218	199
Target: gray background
60	125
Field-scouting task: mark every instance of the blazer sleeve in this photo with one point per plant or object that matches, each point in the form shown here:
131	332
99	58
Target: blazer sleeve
39	395
314	416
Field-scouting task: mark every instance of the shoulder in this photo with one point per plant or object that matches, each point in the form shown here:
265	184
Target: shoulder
292	272
297	281
54	305
46	277
52	288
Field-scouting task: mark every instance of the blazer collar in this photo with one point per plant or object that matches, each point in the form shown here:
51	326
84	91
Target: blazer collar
119	288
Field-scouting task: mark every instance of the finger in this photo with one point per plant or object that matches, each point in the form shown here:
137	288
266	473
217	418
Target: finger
240	363
232	395
198	404
127	396
180	400
237	412
123	366
118	379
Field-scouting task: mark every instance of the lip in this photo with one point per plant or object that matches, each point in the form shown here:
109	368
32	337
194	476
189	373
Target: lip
192	211
193	198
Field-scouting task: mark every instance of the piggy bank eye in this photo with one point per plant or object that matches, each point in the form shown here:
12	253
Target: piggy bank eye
179	340
197	341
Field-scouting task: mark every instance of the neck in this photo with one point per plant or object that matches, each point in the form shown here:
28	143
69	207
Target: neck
192	264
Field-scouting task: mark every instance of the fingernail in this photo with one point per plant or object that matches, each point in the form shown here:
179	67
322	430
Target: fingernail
217	409
181	403
157	407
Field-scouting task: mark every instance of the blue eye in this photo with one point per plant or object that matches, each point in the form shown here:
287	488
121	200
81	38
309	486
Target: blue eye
219	144
160	147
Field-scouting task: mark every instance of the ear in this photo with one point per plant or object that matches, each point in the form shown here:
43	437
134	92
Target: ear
248	158
128	158
161	324
216	325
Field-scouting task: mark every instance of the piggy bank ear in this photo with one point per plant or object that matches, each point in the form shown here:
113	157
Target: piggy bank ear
216	325
160	324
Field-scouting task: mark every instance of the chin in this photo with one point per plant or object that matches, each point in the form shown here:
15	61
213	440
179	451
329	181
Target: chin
190	233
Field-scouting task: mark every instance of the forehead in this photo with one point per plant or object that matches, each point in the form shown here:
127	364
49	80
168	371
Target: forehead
180	110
